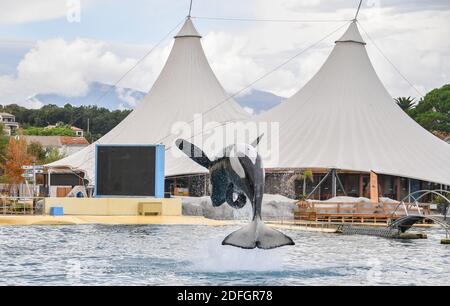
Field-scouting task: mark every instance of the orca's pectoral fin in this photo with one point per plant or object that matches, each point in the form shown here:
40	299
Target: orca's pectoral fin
193	152
257	140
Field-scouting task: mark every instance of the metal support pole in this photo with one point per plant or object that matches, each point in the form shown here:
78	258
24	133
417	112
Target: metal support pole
357	11
190	9
340	184
34	180
49	192
333	183
318	185
409	190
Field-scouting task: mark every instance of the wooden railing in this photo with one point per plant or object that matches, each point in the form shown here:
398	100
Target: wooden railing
362	212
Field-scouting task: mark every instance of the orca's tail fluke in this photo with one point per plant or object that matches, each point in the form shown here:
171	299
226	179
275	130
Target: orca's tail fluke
257	235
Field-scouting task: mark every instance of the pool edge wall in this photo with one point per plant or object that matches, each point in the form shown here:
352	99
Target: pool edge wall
111	206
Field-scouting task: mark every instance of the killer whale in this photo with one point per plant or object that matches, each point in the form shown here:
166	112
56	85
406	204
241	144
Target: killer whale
237	174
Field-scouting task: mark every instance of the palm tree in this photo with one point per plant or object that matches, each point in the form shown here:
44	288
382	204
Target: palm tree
305	175
405	103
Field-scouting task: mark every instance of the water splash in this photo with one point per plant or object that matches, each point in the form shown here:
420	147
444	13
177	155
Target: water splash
244	213
212	256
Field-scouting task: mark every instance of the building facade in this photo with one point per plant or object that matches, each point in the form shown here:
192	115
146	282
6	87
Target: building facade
9	123
66	145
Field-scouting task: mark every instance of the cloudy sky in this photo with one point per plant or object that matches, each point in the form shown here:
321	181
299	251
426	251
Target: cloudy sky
46	47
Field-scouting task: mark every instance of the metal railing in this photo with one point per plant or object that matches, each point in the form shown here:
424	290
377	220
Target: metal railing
21	205
416	204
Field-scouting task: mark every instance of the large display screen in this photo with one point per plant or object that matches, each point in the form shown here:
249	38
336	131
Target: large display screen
126	170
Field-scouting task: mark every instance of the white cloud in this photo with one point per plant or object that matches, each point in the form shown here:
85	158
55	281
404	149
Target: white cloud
233	67
19	11
419	50
68	68
32	102
24	11
249	110
416	41
414	36
10	91
127	97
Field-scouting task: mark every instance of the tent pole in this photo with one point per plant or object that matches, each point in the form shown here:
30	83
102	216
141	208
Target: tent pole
190	9
357	11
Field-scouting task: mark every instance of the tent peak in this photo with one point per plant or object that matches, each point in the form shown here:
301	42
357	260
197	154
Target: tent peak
188	30
352	35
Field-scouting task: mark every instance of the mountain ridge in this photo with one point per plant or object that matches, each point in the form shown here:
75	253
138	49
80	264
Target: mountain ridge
113	98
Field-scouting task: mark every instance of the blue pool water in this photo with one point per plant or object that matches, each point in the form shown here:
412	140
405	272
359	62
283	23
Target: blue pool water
193	255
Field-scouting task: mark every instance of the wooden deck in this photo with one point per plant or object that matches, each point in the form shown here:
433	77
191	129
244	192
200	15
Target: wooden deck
360	212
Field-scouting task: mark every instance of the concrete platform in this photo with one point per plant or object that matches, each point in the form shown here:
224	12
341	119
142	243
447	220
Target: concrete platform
112	206
136	220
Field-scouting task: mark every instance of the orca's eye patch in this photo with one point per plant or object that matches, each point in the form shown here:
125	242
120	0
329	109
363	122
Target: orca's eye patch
218	185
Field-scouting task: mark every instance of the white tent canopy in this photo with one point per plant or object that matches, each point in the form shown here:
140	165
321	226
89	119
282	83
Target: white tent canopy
185	87
344	118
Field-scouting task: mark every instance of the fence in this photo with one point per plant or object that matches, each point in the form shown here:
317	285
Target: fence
21	205
20	190
361	212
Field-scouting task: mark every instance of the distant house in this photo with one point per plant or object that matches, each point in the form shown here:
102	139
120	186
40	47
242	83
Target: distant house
65	144
9	123
78	132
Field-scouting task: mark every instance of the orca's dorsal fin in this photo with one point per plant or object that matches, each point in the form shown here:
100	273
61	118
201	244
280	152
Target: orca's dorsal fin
257	140
193	152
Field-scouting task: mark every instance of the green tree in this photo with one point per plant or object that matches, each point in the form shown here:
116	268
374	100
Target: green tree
60	130
405	103
101	120
433	111
37	152
303	176
16	157
52	155
3	144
